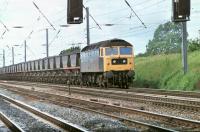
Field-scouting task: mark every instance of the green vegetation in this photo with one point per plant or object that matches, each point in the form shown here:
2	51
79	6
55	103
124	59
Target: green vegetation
161	65
167	39
165	72
70	50
194	44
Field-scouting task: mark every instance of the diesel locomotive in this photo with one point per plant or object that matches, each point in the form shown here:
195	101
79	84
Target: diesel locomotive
106	63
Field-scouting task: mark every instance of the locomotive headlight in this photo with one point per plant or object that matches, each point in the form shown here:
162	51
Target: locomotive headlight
124	61
114	61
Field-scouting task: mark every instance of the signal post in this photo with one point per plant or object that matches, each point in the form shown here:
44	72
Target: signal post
181	13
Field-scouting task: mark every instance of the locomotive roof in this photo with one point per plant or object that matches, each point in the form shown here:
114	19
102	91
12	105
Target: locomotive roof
107	43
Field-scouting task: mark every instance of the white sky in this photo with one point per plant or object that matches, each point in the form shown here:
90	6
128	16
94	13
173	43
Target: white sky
23	13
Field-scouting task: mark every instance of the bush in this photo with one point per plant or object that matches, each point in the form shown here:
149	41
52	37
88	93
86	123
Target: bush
70	50
142	55
165	72
194	45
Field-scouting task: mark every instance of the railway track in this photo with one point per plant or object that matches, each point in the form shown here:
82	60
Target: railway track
136	90
165	92
178	103
151	99
10	124
61	124
155	121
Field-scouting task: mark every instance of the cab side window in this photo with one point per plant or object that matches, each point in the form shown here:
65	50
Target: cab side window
101	52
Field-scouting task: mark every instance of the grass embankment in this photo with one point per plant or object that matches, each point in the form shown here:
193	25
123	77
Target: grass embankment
165	72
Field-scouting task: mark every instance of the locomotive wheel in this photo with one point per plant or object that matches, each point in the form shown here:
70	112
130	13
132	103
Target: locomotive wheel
126	86
105	85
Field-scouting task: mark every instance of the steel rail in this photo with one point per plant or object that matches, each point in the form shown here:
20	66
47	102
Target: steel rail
147	99
167	119
178	93
10	124
192	94
147	126
156	100
59	122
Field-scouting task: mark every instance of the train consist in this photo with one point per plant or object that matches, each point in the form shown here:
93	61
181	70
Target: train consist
106	63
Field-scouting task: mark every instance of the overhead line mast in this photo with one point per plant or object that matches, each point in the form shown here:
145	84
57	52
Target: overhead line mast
93	18
88	25
25	51
3	58
88	15
47	42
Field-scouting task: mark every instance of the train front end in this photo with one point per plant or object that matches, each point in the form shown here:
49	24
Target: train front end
119	65
108	63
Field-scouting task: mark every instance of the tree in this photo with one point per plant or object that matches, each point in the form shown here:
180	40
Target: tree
70	51
194	44
166	39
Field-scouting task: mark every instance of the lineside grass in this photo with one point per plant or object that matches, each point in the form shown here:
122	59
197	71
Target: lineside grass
165	72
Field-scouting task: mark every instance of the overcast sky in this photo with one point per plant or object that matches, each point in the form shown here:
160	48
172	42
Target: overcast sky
126	25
